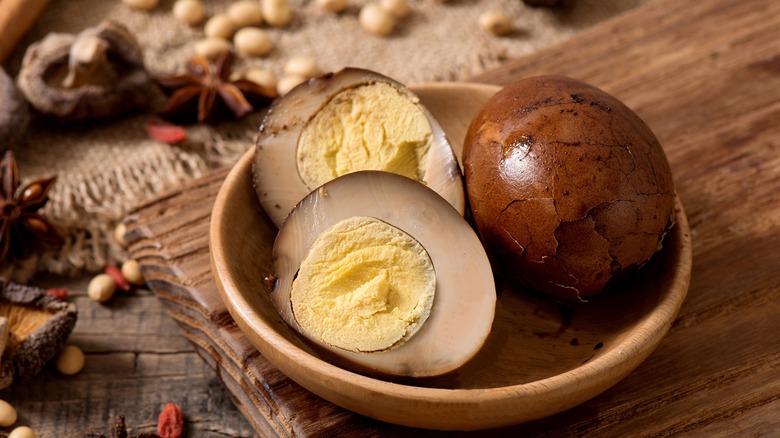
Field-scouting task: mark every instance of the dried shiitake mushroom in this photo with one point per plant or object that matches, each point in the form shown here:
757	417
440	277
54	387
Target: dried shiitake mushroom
37	326
14	112
569	188
97	74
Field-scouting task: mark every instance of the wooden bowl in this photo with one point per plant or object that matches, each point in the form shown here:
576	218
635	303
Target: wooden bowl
542	357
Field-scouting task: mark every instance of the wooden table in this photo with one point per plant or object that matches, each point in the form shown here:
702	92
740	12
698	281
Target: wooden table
704	75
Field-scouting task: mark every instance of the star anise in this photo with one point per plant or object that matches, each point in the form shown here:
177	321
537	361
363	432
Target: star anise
206	93
21	227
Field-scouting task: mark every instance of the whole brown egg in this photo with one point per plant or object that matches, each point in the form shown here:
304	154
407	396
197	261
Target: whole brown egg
568	187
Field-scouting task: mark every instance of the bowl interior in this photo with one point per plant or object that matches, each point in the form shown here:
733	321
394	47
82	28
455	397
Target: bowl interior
542	356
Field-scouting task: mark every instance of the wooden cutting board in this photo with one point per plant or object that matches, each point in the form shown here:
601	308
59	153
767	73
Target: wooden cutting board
706	78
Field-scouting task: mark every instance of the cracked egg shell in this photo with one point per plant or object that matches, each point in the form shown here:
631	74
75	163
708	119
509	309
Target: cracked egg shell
276	174
463	308
569	188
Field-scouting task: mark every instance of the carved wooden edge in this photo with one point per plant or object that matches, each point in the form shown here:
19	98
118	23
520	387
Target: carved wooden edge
168	236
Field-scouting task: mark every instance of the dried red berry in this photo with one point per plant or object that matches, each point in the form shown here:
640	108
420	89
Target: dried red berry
60	293
116	275
166	132
170	424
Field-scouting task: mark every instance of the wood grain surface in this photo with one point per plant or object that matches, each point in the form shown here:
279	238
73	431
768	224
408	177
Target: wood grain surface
136	361
706	78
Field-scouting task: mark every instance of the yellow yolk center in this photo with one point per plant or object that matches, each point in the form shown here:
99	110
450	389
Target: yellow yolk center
364	286
370	127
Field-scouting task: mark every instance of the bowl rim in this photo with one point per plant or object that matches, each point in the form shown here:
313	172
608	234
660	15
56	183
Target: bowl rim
326	380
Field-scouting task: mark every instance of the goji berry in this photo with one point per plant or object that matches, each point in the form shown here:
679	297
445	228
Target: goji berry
116	274
170	424
166	132
60	293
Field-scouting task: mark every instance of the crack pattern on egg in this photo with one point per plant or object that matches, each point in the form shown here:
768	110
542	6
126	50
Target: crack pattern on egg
569	188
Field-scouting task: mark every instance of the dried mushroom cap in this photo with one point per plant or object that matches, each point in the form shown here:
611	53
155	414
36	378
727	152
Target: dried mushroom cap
96	74
14	112
38	326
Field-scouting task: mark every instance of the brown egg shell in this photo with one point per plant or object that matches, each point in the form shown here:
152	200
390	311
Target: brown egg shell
568	187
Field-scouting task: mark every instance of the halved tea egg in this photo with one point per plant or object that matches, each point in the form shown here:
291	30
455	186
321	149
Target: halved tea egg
345	122
384	276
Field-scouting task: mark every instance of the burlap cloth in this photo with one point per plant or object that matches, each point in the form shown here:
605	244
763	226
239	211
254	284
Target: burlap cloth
105	169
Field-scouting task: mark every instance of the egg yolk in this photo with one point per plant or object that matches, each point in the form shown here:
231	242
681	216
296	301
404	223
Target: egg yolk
364	286
370	127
